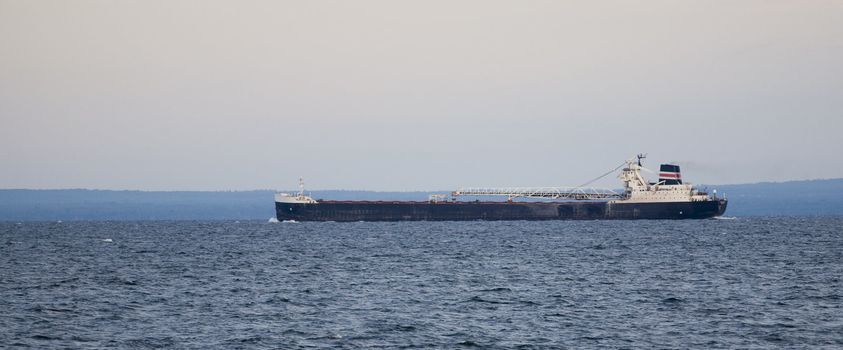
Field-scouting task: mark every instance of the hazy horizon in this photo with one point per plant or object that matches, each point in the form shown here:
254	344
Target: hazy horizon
382	95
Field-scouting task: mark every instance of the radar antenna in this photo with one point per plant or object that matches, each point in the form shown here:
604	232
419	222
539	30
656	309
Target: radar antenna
640	157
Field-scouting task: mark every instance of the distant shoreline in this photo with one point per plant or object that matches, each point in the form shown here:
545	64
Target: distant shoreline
792	198
761	183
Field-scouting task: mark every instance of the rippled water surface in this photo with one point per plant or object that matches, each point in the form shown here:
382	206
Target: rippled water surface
747	282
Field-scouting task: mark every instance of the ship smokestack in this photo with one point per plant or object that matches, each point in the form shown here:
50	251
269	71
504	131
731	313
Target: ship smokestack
669	174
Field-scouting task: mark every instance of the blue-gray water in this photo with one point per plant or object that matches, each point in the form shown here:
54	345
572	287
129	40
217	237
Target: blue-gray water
742	283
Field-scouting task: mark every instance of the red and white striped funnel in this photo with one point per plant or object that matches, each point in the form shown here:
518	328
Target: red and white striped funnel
669	174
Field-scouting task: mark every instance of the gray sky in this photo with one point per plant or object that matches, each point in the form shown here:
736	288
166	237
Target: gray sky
401	95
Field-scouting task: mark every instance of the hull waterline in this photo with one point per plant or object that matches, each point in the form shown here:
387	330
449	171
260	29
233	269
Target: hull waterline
466	211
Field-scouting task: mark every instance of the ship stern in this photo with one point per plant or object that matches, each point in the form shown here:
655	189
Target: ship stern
721	207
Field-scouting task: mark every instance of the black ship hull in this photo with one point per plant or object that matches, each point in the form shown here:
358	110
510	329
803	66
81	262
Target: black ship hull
465	211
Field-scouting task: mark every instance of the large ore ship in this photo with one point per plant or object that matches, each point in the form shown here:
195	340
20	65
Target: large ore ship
667	198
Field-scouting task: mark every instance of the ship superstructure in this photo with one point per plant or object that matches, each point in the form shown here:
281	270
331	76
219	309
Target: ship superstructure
668	198
300	197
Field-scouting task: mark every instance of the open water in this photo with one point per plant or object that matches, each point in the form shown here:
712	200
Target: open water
741	283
